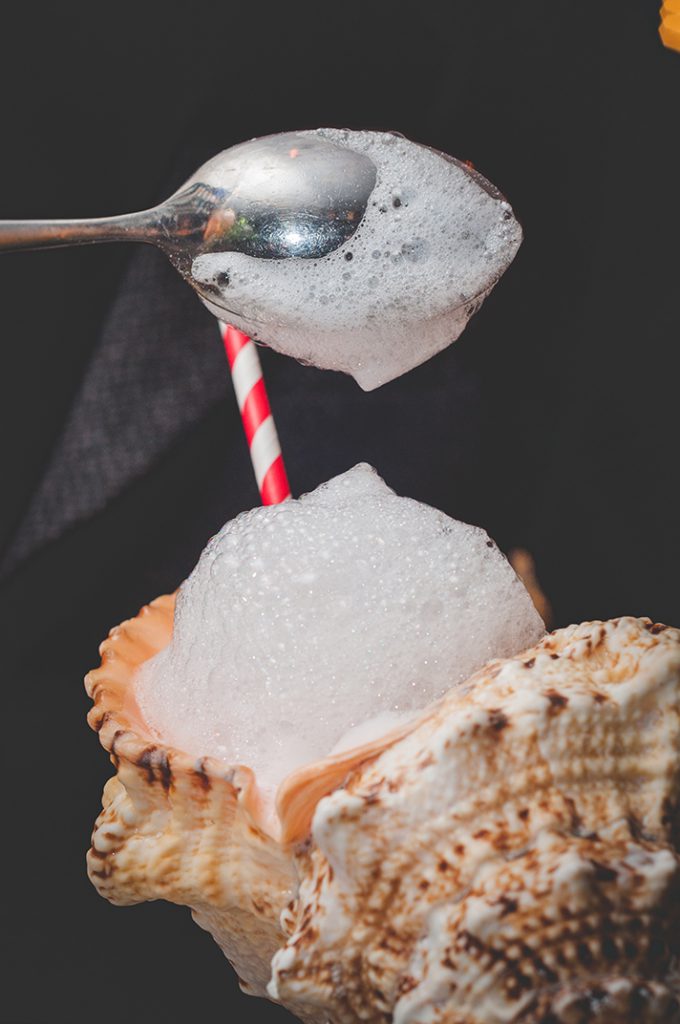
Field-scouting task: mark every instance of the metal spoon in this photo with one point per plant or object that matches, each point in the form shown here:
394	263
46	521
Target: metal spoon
255	230
277	197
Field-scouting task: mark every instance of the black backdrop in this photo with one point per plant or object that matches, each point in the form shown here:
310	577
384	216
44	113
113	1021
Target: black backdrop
573	110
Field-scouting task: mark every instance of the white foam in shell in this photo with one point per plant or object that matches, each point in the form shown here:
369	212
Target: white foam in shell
305	620
433	242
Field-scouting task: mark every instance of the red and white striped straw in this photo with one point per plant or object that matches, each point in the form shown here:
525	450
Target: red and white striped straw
256	414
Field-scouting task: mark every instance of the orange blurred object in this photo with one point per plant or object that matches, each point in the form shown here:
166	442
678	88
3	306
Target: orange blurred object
669	29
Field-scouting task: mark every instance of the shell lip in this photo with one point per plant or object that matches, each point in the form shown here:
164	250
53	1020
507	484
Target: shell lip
117	719
299	793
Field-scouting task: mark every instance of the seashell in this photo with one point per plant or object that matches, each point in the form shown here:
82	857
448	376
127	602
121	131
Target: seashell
195	832
510	857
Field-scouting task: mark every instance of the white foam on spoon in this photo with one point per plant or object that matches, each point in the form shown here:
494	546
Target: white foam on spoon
433	242
320	623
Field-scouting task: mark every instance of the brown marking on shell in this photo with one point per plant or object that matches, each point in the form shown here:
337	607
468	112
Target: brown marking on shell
155	762
202	775
613	1001
498	719
558	701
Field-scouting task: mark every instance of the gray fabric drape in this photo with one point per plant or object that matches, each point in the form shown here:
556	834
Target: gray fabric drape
157	367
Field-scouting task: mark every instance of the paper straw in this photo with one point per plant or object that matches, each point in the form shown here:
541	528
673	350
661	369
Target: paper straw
256	415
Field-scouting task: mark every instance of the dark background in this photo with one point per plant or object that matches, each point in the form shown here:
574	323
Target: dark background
562	431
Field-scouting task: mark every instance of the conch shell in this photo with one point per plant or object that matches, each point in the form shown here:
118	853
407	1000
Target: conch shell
511	857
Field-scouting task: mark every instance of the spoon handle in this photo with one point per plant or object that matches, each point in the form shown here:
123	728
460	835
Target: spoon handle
48	234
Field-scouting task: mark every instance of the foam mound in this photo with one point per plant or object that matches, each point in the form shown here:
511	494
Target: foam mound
320	623
433	242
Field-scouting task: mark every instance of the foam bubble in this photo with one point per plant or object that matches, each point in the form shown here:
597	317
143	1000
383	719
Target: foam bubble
305	620
433	242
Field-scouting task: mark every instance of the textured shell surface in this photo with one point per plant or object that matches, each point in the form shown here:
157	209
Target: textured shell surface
511	857
514	858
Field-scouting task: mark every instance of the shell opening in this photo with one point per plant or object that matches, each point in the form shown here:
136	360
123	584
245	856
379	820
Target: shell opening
315	628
